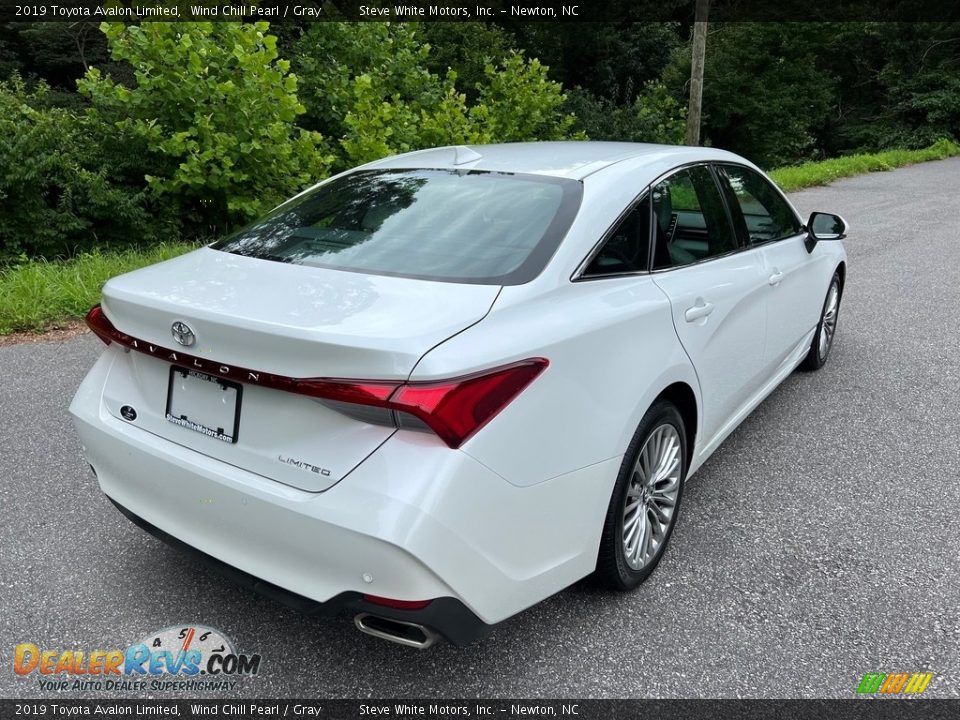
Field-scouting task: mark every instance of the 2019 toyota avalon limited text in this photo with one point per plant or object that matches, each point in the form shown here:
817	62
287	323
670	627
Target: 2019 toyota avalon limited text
436	389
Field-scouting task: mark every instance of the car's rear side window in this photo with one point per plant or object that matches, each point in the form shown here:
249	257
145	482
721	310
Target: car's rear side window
447	225
626	247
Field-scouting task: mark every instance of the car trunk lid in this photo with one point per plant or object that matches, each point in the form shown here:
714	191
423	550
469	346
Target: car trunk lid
250	323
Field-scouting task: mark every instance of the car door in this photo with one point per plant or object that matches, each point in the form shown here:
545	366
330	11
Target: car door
717	292
766	222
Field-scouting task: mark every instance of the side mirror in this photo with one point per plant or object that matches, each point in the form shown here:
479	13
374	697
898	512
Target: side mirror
826	226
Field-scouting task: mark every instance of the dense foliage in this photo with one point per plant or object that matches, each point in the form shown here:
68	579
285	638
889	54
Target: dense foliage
120	134
457	82
56	192
786	92
199	127
376	87
211	117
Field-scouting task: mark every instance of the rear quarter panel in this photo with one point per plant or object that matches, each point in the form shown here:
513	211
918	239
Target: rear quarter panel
612	349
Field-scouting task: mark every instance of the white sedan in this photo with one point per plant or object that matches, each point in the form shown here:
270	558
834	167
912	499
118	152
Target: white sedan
436	389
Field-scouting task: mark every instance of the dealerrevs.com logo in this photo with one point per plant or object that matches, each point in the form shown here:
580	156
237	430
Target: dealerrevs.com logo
180	657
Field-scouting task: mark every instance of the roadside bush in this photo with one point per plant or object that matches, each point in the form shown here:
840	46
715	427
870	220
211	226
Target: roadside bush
57	196
211	119
519	102
370	85
516	103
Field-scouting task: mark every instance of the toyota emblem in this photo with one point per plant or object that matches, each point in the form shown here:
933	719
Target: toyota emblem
182	333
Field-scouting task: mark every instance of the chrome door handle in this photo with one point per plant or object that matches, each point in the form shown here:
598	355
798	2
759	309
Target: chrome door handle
775	278
700	310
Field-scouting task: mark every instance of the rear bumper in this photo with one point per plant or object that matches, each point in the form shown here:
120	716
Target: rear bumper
448	616
415	521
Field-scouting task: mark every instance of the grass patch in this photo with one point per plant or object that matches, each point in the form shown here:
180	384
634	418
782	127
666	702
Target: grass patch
38	295
825	172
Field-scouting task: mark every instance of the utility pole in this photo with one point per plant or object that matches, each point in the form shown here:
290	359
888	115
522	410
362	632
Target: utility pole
696	71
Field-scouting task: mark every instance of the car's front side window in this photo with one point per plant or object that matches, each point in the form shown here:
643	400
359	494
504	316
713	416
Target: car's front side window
690	220
766	215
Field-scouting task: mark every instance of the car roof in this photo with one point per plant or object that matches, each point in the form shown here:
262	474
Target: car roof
567	159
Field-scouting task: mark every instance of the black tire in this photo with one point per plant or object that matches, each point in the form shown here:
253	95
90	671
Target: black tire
613	569
816	357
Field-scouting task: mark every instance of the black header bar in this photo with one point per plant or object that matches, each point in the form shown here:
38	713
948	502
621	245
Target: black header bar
517	11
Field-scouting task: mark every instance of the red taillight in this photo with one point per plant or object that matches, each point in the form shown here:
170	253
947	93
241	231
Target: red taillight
453	409
348	391
456	409
398	604
101	326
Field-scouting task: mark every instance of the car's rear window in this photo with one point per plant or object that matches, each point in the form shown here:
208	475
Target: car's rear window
448	225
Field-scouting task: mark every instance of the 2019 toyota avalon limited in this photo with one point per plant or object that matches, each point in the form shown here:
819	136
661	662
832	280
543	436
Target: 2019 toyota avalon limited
441	387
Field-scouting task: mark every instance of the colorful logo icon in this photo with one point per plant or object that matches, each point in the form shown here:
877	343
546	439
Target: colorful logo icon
894	683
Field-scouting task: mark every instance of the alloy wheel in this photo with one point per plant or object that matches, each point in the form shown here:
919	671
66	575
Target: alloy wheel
829	325
651	498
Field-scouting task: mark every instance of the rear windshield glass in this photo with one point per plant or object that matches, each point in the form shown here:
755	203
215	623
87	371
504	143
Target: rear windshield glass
454	226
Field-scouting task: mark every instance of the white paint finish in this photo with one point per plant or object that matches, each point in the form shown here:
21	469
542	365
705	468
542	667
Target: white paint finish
292	319
800	276
516	513
725	346
423	521
289	438
756	397
574	160
612	349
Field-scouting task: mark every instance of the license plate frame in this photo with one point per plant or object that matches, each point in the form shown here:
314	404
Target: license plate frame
183	420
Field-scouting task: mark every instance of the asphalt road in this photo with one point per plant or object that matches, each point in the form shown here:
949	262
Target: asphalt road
820	542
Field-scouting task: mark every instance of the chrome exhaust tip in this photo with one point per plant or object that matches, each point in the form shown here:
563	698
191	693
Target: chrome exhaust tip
398	631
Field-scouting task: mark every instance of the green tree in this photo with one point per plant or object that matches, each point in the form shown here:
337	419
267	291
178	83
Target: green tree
765	93
906	91
610	61
55	52
655	116
782	92
341	64
467	48
613	71
211	116
518	102
10	60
